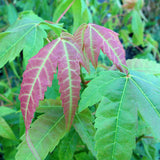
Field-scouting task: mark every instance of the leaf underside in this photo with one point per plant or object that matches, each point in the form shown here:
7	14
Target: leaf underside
91	38
116	116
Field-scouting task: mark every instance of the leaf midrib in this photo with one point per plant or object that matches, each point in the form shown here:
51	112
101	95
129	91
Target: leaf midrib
117	121
70	83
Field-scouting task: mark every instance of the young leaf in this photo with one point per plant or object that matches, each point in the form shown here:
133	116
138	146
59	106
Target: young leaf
36	78
69	78
26	34
45	134
39	75
92	38
144	65
116	114
137	26
84	127
12	13
5	111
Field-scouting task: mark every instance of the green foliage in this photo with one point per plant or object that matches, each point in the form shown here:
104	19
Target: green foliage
118	114
137	27
83	124
5	130
12	14
67	146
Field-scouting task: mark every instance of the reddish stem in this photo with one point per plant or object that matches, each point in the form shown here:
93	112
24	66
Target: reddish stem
65	11
49	22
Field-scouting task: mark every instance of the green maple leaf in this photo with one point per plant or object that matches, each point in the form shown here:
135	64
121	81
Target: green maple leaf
120	97
26	34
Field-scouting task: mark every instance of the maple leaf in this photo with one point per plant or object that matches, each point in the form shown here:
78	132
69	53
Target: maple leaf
91	38
119	98
39	74
26	34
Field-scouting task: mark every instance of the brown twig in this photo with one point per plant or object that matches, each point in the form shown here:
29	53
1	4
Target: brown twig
143	136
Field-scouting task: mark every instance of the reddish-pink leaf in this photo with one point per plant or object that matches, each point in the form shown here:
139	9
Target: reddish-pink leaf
79	35
79	38
36	78
69	78
39	74
91	38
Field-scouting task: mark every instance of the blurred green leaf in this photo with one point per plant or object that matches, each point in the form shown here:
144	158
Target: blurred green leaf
5	130
12	14
145	55
5	111
81	14
12	65
137	26
83	124
67	146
